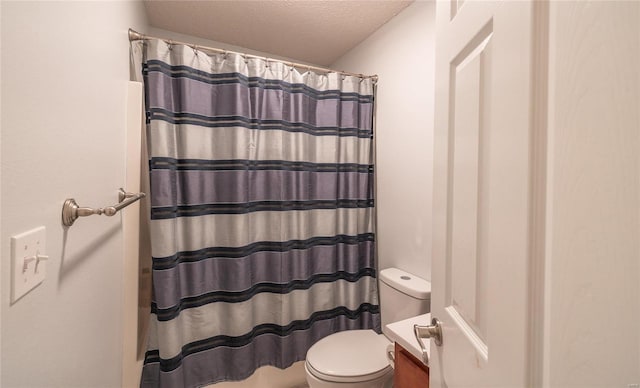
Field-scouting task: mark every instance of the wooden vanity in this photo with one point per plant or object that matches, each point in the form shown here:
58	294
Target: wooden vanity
409	371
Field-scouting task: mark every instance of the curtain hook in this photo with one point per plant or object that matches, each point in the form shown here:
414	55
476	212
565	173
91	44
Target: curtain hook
169	44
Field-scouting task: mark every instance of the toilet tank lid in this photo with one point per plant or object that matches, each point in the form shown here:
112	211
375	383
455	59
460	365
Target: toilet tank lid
406	283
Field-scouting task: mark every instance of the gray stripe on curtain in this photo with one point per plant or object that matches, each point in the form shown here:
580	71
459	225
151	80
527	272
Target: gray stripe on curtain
260	267
201	99
198	98
200	187
164	263
262	213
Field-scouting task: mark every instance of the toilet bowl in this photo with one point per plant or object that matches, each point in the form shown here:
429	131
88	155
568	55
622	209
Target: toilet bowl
358	358
349	359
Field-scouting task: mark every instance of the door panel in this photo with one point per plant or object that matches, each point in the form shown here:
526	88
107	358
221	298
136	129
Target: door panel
466	274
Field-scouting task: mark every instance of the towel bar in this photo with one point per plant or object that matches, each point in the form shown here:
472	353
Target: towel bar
71	211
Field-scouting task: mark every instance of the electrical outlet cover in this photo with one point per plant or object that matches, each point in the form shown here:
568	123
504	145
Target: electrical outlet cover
27	271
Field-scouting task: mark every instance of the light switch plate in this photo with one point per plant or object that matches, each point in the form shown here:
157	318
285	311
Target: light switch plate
27	271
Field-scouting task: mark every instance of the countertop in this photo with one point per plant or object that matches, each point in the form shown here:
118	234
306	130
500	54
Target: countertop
402	333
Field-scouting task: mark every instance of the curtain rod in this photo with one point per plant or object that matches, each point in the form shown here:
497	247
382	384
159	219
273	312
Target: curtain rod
134	35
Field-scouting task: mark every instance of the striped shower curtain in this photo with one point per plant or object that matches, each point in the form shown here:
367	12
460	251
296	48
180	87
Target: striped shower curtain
261	212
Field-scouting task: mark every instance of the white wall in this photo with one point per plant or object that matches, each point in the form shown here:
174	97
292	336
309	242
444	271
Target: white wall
402	54
65	71
592	313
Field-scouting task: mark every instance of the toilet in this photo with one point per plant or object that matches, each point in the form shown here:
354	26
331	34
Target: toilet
358	358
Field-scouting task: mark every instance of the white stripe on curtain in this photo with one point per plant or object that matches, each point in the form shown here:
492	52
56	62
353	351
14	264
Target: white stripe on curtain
232	143
234	230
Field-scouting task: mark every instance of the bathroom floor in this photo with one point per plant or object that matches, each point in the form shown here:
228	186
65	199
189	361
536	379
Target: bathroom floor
271	377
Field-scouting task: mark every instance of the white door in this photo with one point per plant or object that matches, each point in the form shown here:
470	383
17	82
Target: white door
483	193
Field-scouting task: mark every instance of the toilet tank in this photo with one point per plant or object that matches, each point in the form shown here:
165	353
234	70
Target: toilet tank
402	295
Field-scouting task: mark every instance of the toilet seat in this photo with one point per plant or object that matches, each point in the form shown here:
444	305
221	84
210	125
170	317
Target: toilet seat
349	356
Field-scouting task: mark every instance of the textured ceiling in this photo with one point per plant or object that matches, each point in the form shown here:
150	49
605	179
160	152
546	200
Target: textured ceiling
317	32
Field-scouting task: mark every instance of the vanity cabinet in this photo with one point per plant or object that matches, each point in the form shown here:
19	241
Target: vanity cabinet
409	371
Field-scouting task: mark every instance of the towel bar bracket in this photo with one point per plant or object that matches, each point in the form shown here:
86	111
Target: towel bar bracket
71	211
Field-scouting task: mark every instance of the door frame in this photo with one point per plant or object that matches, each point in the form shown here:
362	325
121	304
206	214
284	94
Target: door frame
538	196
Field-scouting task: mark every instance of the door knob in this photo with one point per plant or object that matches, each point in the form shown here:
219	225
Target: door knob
434	331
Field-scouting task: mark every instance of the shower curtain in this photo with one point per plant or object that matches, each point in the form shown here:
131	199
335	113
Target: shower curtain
262	212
